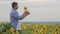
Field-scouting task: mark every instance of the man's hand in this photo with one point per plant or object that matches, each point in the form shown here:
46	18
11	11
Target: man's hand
25	14
26	11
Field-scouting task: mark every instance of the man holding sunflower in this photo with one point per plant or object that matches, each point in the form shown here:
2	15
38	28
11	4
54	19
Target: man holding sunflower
15	17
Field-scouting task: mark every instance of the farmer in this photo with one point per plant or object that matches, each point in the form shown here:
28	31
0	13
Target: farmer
15	17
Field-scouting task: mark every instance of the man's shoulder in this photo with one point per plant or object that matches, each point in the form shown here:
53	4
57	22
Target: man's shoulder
12	11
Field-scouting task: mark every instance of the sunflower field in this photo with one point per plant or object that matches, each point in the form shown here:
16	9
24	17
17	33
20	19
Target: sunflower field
40	28
31	29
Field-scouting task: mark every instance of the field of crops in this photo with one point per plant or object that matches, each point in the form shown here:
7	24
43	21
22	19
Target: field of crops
35	29
41	28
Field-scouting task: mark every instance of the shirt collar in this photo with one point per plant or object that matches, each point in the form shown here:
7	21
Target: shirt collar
13	10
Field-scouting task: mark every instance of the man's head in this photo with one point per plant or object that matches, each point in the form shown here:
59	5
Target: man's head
15	5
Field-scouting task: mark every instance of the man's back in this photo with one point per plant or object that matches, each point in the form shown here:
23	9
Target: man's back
13	20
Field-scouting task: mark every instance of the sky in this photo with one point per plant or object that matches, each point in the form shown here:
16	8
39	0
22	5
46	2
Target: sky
28	0
40	11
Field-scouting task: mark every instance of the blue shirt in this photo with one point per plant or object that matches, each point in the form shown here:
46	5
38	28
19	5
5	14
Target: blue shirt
14	18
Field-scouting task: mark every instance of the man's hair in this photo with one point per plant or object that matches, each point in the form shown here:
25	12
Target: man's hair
14	4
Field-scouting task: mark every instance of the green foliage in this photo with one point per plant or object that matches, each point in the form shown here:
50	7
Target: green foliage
5	26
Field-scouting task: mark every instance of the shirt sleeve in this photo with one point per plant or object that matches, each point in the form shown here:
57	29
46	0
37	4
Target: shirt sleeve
15	15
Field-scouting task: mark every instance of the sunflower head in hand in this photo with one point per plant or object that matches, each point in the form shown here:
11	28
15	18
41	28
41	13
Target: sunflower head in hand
25	8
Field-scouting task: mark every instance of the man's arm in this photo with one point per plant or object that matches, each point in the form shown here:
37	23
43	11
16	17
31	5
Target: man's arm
15	15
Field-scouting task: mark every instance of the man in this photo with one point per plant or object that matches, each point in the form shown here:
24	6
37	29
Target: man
14	17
